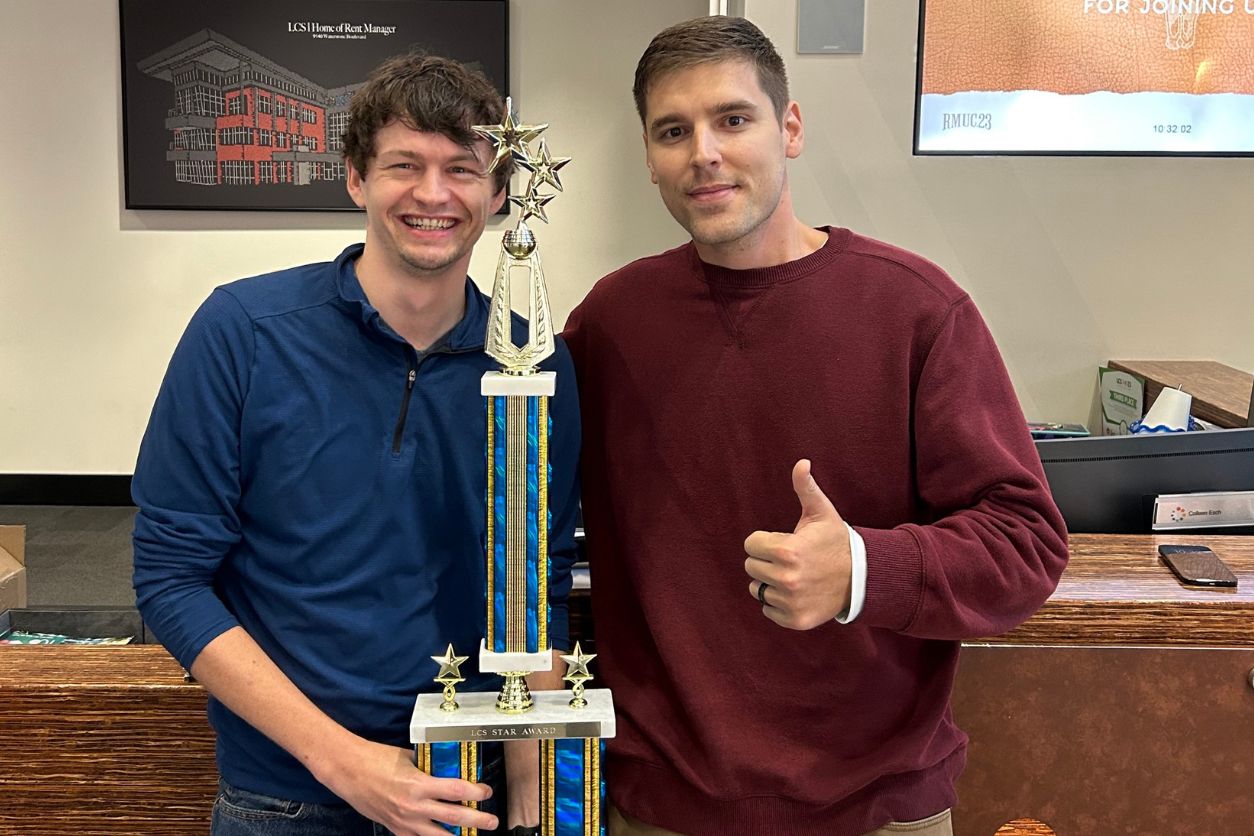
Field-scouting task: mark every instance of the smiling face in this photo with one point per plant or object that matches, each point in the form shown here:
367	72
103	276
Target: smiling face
426	200
717	153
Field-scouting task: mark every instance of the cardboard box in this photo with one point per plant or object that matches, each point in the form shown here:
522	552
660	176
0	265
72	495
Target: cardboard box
12	567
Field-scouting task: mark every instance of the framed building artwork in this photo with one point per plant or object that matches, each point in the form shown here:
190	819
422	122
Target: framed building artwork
236	104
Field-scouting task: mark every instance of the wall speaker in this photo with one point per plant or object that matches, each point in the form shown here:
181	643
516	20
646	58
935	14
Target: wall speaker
830	26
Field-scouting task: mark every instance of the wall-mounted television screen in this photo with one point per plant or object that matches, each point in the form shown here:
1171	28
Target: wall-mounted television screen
1162	77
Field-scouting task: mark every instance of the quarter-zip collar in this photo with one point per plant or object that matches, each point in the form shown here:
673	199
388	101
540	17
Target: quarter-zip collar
467	335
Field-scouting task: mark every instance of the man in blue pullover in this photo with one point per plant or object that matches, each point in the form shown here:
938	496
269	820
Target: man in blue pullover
311	486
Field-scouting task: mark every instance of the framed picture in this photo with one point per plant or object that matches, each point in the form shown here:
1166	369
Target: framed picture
237	104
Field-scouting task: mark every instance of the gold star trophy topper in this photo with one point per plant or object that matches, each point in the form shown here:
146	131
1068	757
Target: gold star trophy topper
512	139
577	674
449	676
509	137
543	167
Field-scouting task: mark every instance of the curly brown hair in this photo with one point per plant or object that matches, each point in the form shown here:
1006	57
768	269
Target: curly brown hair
704	40
426	93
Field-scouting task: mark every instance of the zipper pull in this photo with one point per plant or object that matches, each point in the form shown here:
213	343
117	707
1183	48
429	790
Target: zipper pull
409	383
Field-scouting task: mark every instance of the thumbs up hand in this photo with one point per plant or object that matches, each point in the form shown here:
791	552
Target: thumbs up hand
807	573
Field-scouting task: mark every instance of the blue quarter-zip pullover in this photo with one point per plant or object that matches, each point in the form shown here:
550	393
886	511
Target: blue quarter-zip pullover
308	475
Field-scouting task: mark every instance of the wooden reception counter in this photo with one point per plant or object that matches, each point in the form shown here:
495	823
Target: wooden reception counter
1221	394
102	740
1124	706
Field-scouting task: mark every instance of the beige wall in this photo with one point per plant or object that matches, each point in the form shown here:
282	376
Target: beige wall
93	297
1073	261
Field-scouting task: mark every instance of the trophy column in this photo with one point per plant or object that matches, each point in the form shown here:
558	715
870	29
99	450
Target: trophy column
517	640
517	539
571	727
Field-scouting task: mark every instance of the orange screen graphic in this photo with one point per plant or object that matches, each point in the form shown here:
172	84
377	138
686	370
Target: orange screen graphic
1057	46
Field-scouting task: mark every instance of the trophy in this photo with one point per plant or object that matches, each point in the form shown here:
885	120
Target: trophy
446	729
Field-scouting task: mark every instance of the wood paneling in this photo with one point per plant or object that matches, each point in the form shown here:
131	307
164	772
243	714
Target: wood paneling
1136	716
1221	394
1117	591
102	740
1107	740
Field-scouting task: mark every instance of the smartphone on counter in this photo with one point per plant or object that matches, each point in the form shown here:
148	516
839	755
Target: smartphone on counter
1197	566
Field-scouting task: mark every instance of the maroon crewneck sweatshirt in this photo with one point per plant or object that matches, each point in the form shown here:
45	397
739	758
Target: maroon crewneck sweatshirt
700	387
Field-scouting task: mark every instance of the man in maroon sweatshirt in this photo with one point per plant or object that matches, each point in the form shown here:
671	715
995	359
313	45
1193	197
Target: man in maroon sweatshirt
806	479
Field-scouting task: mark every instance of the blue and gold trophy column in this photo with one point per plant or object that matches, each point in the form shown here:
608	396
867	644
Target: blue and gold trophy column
571	727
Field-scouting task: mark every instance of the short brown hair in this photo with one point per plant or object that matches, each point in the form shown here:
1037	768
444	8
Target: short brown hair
426	93
713	38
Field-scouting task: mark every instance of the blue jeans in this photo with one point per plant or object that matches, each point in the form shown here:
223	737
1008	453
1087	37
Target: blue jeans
238	812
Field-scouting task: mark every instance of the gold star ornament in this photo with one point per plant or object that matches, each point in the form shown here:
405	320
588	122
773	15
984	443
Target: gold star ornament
577	674
450	674
450	667
577	664
544	167
532	204
509	137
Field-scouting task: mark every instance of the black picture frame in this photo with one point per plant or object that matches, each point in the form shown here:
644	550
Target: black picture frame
203	84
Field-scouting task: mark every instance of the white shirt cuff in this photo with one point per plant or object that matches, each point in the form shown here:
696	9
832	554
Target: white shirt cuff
857	583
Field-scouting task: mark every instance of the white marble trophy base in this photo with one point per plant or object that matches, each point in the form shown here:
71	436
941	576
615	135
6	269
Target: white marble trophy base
492	662
477	718
498	383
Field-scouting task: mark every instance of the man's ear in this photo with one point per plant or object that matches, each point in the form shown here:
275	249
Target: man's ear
794	131
499	200
353	182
